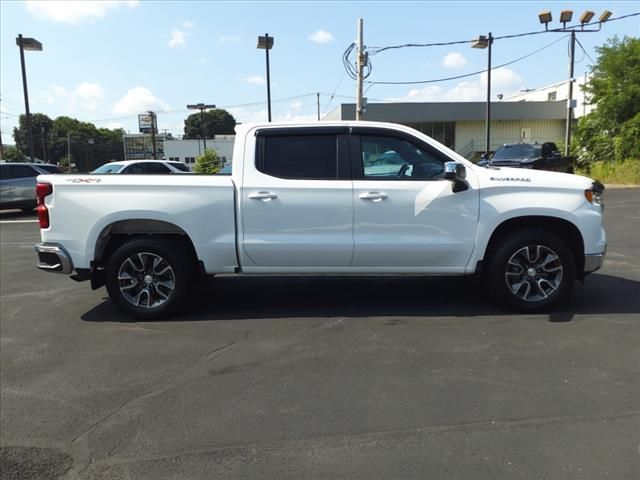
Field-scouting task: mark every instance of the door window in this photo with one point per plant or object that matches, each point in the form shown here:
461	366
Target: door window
299	156
5	172
23	171
392	158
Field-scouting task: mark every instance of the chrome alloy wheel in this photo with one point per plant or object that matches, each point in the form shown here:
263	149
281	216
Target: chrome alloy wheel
146	280
534	272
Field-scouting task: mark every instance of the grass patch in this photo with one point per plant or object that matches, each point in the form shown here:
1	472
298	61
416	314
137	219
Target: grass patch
624	173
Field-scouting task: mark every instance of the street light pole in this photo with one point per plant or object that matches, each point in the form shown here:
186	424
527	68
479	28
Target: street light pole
567	134
486	42
27	44
266	43
585	19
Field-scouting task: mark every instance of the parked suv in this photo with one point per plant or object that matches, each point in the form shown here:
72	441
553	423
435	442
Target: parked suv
18	184
543	156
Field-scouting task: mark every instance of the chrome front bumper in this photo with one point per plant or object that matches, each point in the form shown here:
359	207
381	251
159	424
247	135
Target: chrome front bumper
593	262
53	258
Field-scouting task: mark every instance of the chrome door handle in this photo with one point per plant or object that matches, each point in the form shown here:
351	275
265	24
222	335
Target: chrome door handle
375	196
263	196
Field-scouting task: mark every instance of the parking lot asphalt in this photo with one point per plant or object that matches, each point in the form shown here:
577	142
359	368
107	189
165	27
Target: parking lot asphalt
321	377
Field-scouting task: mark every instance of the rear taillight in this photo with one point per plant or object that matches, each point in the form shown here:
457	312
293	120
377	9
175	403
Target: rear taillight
42	190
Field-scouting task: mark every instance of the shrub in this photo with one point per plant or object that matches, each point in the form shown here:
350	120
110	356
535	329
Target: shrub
208	163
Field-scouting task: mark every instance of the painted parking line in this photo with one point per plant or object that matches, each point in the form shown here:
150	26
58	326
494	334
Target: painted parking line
18	221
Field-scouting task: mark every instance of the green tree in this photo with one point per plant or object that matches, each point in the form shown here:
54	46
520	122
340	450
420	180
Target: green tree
12	154
610	131
208	163
210	123
41	126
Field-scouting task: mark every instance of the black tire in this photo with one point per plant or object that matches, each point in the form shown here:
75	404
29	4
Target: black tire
158	301
547	285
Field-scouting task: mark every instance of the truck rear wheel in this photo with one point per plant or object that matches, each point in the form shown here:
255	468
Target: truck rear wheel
149	277
531	270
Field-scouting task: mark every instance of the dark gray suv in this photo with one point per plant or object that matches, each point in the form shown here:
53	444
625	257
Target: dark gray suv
18	184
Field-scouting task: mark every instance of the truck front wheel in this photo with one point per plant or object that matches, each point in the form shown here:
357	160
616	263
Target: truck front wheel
531	270
149	277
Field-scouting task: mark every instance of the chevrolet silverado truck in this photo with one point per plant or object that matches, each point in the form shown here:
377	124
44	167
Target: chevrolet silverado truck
324	198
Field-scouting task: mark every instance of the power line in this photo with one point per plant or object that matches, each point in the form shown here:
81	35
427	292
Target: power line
375	50
585	52
436	80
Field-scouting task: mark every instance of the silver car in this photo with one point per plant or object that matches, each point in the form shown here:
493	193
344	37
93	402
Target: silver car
18	184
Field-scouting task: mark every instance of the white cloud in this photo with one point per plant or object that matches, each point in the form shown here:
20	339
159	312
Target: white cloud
454	60
87	96
74	11
177	38
229	38
138	100
114	125
321	36
255	80
90	95
187	24
296	105
503	80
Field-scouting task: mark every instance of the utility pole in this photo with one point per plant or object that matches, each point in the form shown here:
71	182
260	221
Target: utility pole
567	135
1	147
318	104
69	150
360	65
153	134
202	107
488	128
44	145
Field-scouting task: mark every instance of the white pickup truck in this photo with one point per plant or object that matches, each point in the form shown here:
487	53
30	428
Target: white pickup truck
339	198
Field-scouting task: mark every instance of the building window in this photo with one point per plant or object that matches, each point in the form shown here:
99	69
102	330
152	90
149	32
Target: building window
189	160
551	96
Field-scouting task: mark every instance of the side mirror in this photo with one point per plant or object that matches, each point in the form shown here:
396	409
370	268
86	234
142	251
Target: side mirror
456	172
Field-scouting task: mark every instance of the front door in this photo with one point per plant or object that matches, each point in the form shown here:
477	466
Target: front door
406	216
296	201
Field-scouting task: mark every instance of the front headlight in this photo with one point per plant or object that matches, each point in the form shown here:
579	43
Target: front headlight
593	197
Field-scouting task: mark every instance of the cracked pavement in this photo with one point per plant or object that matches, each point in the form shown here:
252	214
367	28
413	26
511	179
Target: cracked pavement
322	377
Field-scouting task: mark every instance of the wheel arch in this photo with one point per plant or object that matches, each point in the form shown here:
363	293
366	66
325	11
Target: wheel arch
565	229
116	233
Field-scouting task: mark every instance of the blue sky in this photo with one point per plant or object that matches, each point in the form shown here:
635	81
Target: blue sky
107	61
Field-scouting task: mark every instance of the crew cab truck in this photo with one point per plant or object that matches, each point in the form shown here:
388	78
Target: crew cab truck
339	198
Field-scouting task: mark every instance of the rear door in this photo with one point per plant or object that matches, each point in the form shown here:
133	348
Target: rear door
20	186
296	201
406	215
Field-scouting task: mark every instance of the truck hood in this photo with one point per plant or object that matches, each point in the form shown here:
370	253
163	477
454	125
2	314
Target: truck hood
525	178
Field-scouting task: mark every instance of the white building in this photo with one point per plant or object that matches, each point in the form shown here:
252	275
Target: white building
461	125
138	146
557	92
187	151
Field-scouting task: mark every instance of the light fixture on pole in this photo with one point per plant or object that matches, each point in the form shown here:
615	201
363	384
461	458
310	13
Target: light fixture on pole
486	42
266	43
202	107
33	45
585	19
545	17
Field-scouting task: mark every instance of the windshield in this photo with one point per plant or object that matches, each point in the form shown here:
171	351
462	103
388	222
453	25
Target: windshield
180	166
520	150
109	168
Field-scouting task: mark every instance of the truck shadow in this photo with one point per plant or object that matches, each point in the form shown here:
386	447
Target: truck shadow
241	298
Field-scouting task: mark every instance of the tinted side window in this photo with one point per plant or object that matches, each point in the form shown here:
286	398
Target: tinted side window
23	171
299	156
136	168
394	158
157	168
5	172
